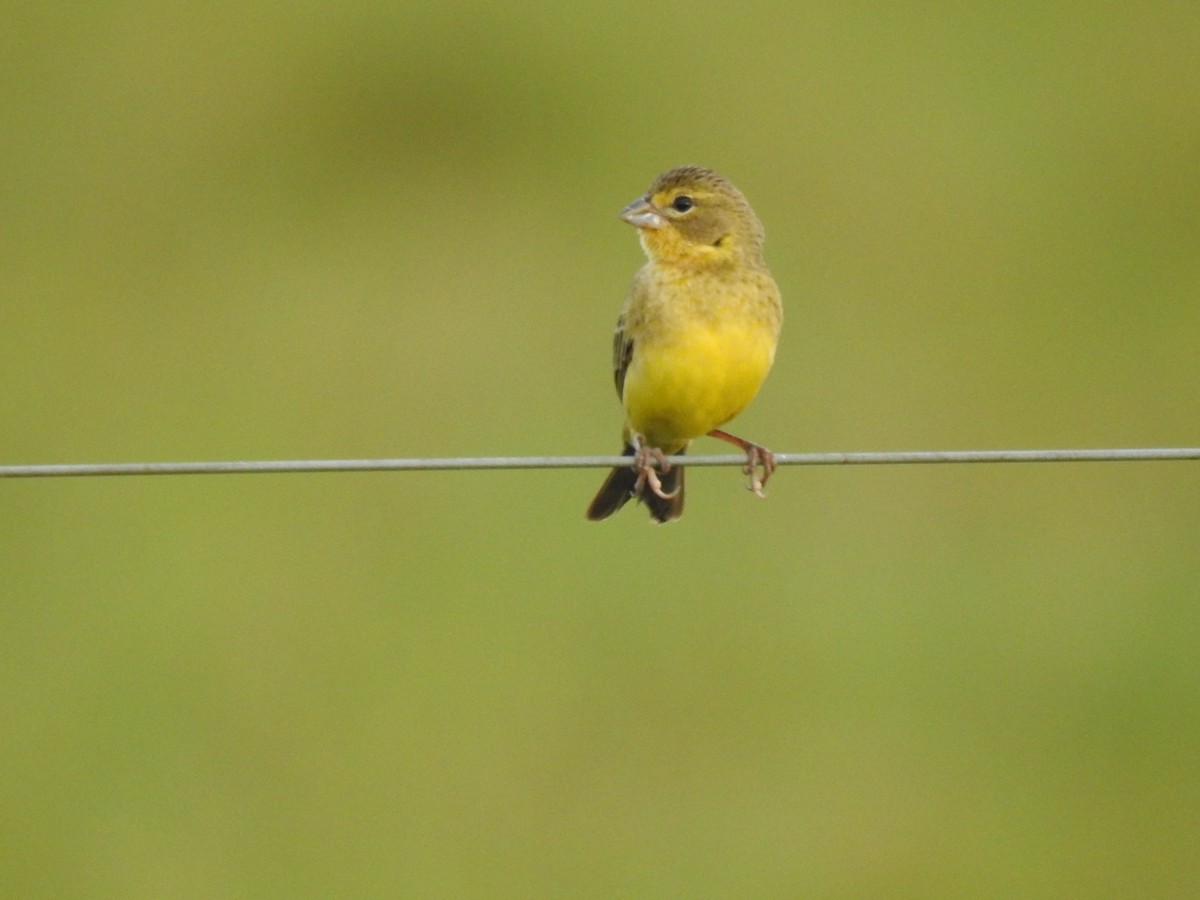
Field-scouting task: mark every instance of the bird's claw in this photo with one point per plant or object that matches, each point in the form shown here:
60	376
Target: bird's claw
647	475
757	456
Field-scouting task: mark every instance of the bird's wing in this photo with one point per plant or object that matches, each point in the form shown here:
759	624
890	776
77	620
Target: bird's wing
622	354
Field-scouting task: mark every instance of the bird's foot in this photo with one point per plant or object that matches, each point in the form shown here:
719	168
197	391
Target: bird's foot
757	456
644	460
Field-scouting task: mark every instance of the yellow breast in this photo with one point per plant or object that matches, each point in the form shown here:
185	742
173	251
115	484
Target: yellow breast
701	352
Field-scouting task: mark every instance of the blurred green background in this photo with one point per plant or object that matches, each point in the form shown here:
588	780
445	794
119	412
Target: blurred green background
379	229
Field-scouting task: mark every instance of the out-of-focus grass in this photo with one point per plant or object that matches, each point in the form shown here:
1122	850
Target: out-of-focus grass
379	230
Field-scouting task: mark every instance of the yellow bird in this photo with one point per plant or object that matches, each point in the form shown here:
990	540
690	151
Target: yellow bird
695	339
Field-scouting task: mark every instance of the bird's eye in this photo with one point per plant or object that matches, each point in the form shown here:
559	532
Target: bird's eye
682	204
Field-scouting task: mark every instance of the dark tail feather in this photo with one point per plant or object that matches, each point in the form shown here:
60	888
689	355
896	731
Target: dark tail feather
672	508
618	488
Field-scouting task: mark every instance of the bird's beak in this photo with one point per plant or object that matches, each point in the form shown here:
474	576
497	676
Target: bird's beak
641	214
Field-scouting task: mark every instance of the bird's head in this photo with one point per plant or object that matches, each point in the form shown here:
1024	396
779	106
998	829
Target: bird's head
694	218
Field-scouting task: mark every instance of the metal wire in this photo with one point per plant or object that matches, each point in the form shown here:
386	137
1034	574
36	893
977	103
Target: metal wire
78	470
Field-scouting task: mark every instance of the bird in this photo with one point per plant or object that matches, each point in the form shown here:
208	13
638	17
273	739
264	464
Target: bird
695	338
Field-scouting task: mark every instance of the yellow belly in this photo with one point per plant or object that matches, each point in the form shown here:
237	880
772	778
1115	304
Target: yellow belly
680	388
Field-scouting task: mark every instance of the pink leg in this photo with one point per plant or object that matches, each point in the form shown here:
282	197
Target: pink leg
643	463
756	455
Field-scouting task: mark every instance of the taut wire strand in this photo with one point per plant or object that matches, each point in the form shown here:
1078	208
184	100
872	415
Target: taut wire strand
78	470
